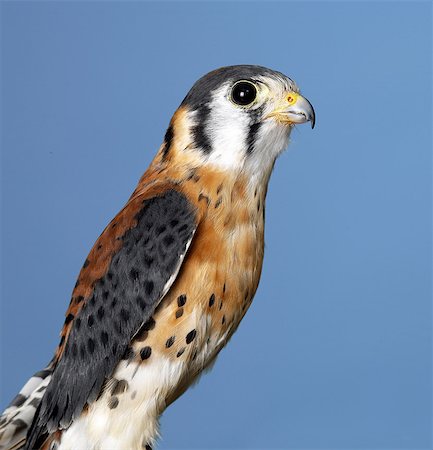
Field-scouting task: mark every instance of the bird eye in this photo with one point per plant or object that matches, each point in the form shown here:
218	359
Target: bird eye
244	93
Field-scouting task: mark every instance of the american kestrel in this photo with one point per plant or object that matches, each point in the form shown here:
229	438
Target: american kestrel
169	279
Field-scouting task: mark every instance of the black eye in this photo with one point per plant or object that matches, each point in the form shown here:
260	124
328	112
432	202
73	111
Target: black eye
243	93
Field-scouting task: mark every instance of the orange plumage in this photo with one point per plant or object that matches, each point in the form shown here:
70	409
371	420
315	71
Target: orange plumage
169	279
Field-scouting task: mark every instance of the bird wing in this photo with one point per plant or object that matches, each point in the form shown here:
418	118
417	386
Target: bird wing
127	273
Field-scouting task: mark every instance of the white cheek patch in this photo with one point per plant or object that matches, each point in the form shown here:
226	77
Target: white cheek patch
271	139
227	128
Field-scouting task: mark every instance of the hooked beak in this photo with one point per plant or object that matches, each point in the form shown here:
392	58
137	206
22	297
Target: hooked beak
294	109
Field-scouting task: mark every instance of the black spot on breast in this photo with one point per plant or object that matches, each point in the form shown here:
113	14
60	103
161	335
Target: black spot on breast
212	300
149	325
170	341
180	352
90	320
86	263
145	353
141	335
119	387
221	305
79	299
205	198
181	300
223	321
113	402
179	313
62	340
190	336
218	202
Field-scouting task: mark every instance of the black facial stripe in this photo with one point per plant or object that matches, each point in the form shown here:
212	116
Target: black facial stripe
199	97
201	139
254	128
167	141
251	138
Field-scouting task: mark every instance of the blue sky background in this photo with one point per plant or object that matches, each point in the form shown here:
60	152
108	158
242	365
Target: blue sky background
336	350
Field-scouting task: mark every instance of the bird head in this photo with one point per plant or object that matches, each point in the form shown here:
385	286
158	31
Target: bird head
238	118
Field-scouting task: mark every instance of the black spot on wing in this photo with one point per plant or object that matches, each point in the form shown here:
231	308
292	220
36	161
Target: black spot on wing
113	315
113	402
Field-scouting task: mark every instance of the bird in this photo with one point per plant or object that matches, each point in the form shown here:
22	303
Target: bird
169	279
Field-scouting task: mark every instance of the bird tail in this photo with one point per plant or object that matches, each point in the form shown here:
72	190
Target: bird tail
18	416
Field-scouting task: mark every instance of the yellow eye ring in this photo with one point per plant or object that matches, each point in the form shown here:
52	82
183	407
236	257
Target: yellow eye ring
292	98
